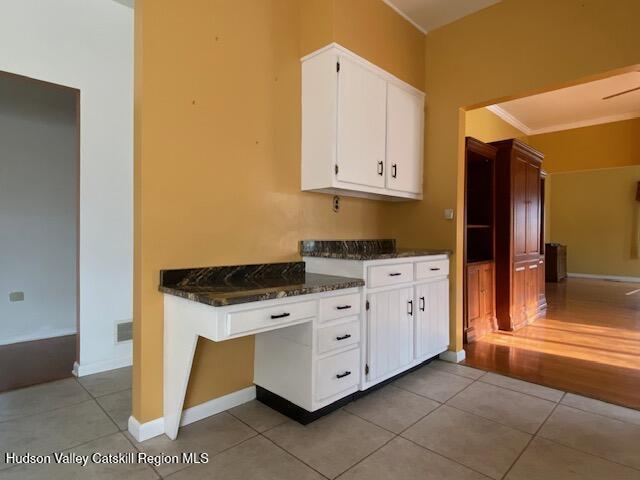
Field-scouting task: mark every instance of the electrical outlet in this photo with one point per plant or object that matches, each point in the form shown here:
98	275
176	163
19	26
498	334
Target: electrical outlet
16	296
448	213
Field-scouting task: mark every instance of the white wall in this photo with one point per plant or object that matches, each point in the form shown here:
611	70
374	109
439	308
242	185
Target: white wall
88	44
38	209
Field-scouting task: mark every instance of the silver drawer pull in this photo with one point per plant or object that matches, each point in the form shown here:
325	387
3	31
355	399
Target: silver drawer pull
342	375
519	269
395	274
533	266
343	337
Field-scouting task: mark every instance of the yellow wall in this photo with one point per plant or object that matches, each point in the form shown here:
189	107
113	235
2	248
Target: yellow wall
590	208
217	154
486	126
595	213
511	49
608	145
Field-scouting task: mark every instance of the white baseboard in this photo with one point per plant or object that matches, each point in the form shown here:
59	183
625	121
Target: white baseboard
97	367
453	357
613	278
145	431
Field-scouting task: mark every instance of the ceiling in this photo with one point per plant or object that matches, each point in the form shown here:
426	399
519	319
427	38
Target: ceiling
578	106
428	15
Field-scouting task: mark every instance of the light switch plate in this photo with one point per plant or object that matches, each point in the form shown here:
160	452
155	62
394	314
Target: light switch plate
16	296
448	213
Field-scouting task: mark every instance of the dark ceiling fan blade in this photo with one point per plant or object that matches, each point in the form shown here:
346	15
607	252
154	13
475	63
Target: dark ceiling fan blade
620	93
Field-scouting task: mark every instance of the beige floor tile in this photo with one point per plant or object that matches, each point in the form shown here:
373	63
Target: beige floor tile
257	415
392	408
115	443
540	391
457	369
257	458
118	407
606	437
510	408
41	398
56	430
331	444
434	384
602	408
211	435
545	460
402	460
104	383
478	443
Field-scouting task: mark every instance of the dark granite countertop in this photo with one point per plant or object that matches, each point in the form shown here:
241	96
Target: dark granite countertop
230	285
362	249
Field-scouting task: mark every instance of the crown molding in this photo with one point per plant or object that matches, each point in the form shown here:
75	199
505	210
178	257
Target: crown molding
405	16
510	119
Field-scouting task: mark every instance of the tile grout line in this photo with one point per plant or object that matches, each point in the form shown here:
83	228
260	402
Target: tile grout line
533	436
525	393
602	415
295	456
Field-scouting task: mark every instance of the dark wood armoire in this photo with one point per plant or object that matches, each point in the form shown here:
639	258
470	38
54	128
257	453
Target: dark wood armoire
519	257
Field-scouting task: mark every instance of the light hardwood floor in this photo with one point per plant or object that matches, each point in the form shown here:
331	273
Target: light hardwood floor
588	342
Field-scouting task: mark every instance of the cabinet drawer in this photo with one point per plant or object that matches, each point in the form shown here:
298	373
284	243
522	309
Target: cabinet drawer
264	318
433	268
337	373
339	336
339	306
382	275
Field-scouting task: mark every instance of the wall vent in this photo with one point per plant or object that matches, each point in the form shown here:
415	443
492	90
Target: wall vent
124	331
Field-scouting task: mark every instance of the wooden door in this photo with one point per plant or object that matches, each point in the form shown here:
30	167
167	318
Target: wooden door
432	318
405	131
533	209
390	331
519	192
362	105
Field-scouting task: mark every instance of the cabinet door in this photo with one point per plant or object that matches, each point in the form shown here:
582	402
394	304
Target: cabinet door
519	295
474	299
488	296
533	289
519	187
405	132
533	208
362	110
432	318
390	331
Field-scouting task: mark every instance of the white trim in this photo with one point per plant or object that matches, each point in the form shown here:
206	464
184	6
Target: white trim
510	119
41	336
367	64
405	16
613	278
145	431
97	367
453	357
513	121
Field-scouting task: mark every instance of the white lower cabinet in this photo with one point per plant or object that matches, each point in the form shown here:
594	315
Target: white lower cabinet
390	331
432	318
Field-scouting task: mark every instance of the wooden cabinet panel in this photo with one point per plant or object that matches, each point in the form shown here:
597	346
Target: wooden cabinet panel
390	331
542	298
533	209
533	287
480	300
474	308
487	289
519	193
362	111
519	296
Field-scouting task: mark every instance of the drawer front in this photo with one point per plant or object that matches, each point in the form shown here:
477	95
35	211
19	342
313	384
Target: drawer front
339	306
239	322
433	268
382	275
338	336
337	373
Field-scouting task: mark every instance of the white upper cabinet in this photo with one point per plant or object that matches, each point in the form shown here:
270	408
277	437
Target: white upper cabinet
362	128
404	140
362	118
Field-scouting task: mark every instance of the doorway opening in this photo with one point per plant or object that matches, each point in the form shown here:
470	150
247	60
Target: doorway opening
552	235
39	218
